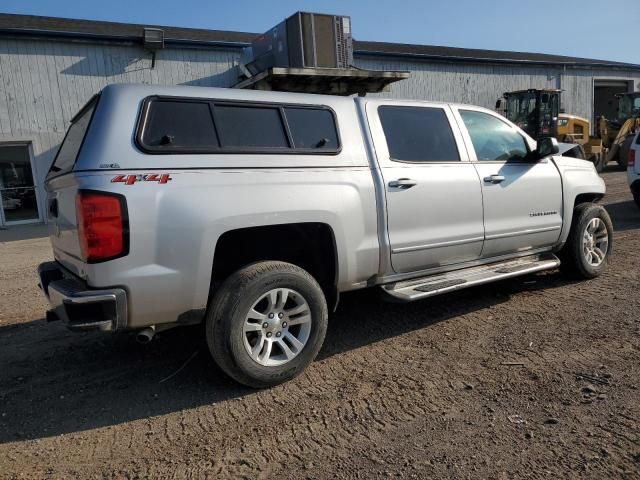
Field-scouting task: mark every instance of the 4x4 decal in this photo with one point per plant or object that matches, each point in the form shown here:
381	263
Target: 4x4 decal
149	177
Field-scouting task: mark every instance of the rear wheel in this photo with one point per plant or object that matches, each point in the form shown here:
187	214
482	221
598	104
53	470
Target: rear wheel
586	253
266	323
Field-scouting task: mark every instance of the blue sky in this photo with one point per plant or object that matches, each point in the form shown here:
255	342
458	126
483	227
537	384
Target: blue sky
604	29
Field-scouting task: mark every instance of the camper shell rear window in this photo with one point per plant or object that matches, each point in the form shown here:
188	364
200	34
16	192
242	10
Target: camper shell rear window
70	147
176	125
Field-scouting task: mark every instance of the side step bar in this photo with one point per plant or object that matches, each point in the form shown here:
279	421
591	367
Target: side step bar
418	288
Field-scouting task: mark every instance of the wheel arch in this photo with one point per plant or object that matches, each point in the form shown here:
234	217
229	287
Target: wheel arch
309	245
584	246
571	202
580	184
587	197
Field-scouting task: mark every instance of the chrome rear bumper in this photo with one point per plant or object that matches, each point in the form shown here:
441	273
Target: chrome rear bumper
77	305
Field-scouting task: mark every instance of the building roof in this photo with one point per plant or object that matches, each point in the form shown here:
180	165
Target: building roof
37	26
478	55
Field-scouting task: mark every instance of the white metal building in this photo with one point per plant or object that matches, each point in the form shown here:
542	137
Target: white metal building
49	67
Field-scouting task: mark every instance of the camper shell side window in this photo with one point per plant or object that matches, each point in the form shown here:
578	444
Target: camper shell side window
177	125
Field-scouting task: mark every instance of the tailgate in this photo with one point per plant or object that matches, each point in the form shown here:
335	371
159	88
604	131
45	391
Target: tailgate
62	186
63	225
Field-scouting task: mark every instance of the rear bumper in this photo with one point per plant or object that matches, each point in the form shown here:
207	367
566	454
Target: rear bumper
77	305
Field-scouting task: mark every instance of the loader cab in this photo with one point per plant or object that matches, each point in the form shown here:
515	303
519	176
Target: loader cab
535	111
628	106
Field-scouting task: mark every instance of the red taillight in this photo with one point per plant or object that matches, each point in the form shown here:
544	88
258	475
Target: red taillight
632	158
102	227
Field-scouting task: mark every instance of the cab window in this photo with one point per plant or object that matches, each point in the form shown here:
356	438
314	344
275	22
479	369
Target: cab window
493	139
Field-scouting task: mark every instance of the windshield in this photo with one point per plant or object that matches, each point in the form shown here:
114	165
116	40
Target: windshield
68	152
548	113
628	107
521	109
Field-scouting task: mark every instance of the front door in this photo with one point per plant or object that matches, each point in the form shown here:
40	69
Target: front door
522	197
433	194
17	189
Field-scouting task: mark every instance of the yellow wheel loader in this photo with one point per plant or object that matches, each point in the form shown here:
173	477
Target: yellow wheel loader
536	111
574	129
617	134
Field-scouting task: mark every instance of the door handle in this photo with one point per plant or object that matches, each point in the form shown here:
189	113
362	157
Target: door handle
494	178
403	183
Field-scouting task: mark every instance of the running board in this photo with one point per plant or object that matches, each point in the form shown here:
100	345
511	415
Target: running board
418	288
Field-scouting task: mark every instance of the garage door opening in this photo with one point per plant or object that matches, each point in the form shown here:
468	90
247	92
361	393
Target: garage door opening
604	97
17	189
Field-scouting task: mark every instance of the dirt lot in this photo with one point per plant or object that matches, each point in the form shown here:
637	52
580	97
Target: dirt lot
538	377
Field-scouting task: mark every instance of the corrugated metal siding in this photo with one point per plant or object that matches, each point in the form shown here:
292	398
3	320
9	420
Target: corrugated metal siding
451	82
45	82
484	84
577	85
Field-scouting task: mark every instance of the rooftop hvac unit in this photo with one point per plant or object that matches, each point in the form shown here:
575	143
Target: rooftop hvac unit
304	40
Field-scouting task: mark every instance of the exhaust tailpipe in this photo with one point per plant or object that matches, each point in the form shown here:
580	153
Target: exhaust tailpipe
146	335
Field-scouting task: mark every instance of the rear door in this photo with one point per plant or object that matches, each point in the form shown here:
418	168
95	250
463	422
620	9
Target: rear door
522	197
433	194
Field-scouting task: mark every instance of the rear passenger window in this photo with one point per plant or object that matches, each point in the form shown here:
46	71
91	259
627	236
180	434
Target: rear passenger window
418	134
209	126
172	124
250	127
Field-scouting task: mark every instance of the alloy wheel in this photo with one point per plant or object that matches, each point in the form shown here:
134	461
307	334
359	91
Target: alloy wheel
277	327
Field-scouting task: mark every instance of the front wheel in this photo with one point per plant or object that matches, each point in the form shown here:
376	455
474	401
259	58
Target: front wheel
266	323
586	253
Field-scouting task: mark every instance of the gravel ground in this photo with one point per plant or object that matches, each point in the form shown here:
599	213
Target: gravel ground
536	377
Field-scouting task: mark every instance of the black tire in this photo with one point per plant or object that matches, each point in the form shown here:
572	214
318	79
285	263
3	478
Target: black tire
573	257
231	304
598	161
623	152
636	198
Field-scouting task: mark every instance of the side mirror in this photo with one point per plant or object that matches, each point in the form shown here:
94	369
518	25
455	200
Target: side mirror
547	146
498	104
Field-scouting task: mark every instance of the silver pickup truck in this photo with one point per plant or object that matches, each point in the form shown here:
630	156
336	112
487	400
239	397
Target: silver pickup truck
252	211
